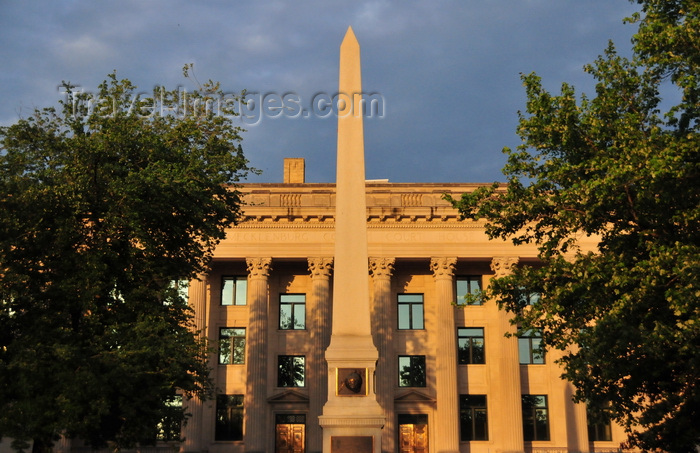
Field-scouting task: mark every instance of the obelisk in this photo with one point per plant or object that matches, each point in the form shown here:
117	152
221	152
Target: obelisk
352	418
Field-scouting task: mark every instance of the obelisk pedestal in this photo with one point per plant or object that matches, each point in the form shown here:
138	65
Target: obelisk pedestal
352	418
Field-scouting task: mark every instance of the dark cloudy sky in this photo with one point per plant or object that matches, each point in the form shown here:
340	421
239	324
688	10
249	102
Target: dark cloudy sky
447	71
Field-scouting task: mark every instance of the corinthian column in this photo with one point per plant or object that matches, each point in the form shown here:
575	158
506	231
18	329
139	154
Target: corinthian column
192	432
256	429
381	270
320	305
447	439
506	397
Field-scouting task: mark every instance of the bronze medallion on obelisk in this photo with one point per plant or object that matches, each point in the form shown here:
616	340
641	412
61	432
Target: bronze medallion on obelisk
351	381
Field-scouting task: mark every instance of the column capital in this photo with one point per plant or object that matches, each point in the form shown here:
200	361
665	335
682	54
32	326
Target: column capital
443	267
320	267
259	267
381	267
503	265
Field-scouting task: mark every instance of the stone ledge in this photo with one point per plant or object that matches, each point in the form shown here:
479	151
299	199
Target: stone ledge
327	421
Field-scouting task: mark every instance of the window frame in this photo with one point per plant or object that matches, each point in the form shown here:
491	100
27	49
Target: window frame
169	427
468	412
235	293
294	306
229	410
535	354
530	413
475	294
292	358
290	419
526	298
233	340
598	430
415	381
412	307
183	289
470	352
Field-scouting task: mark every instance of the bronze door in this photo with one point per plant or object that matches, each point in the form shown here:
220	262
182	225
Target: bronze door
413	437
290	438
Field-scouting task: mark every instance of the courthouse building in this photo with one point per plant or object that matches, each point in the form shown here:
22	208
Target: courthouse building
287	302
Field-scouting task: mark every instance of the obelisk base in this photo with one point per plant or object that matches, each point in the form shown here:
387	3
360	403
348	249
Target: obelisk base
352	434
352	419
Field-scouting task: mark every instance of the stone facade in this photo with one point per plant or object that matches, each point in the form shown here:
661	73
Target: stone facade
417	245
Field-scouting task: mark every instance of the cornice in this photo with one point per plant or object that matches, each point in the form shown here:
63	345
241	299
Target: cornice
300	223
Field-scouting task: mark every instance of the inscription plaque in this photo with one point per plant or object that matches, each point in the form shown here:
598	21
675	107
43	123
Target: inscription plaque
352	444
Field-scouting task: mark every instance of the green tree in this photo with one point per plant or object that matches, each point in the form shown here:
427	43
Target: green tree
622	167
105	203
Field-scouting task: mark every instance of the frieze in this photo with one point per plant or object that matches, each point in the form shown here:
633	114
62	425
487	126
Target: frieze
267	236
389	235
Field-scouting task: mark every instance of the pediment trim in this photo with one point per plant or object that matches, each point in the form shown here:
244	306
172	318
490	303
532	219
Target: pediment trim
414	396
288	396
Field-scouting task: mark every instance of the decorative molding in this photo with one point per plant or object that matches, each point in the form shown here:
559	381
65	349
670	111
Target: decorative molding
320	267
414	396
443	267
290	199
259	267
503	265
381	267
355	421
289	396
329	223
253	223
411	199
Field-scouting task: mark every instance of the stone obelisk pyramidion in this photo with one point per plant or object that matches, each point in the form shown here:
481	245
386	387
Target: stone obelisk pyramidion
352	418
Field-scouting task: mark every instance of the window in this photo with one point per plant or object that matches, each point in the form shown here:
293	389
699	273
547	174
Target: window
528	298
469	290
234	290
410	311
292	311
413	419
599	428
290	419
229	417
178	296
535	417
473	421
231	346
530	348
470	345
412	371
291	370
170	426
182	287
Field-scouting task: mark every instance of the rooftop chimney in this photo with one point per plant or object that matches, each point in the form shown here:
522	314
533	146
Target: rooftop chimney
294	170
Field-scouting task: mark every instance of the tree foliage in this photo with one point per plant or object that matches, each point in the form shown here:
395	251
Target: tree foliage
623	167
105	203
